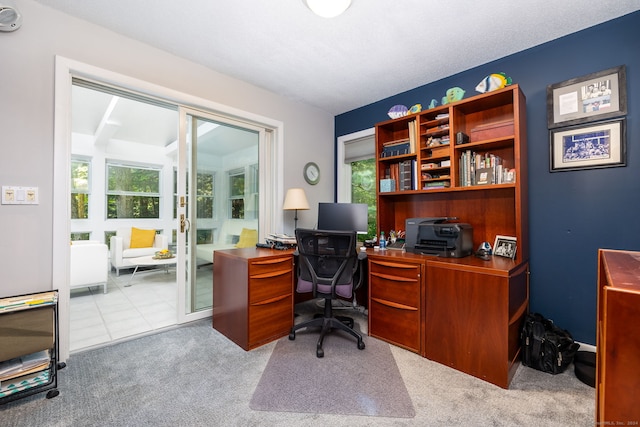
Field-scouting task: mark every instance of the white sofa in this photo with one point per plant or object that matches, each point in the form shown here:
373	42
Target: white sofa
121	251
89	264
227	238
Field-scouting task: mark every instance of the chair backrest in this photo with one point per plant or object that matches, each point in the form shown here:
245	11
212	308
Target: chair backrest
327	259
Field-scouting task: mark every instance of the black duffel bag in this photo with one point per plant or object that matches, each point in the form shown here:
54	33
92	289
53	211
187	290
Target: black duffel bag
545	346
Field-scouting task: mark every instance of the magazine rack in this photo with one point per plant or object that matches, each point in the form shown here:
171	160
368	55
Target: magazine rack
29	352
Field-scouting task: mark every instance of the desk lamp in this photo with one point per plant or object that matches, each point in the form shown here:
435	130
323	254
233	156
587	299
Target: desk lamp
294	200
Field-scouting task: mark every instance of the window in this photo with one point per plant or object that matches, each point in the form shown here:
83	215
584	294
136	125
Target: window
236	193
107	237
81	236
133	191
80	188
204	236
357	174
204	197
363	190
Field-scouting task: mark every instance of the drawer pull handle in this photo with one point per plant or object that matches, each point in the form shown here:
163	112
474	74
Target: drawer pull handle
395	265
394	278
271	274
271	261
271	300
395	305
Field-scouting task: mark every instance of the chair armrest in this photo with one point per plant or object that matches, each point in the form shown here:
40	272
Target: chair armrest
116	248
161	242
362	260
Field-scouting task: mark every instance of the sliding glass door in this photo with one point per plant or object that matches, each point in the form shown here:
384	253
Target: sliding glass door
217	197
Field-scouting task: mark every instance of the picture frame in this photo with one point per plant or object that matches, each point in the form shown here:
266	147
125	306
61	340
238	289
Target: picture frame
593	97
505	246
593	146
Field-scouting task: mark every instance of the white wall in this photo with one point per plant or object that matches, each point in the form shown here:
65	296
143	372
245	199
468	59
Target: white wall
27	126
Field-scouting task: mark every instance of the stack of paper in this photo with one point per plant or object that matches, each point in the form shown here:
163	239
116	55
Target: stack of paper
24	365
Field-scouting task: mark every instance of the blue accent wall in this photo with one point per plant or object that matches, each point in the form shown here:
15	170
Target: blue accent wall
571	214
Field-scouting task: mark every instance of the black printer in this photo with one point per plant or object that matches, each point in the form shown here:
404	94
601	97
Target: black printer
438	236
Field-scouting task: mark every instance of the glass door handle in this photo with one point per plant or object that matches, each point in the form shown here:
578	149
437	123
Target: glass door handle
184	223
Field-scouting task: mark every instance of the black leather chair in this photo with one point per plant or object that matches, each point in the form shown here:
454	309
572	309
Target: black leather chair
327	264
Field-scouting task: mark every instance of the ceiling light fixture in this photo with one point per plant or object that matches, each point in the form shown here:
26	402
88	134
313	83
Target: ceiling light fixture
10	18
328	8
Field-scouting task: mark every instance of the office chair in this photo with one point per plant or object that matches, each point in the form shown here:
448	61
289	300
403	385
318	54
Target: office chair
327	264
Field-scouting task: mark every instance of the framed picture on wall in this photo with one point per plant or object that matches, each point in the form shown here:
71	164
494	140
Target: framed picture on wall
505	246
598	145
589	98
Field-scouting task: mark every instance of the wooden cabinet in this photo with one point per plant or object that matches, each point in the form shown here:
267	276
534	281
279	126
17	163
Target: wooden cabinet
465	313
442	176
253	295
618	341
396	300
466	160
474	314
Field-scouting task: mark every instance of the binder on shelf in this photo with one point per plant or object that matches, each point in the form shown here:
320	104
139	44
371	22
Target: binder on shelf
387	185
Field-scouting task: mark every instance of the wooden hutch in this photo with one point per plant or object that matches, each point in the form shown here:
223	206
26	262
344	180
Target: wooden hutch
466	160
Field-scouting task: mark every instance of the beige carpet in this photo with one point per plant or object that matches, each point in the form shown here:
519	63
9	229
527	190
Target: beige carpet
345	381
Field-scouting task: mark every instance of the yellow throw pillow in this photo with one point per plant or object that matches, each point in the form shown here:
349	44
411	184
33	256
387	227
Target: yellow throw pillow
142	238
248	238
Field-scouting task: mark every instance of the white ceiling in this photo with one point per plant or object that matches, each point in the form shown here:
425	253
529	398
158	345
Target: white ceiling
376	49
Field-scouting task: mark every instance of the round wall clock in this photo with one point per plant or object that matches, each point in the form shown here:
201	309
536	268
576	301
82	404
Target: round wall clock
311	173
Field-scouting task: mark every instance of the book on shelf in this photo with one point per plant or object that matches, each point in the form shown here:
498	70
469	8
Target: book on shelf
406	181
413	136
395	149
436	184
480	169
387	185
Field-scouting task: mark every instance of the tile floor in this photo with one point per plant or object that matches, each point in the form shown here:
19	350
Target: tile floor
147	305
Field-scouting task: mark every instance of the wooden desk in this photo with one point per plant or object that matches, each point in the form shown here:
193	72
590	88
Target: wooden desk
253	295
618	341
465	313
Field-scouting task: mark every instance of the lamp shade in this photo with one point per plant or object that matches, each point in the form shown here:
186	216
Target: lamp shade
295	199
328	8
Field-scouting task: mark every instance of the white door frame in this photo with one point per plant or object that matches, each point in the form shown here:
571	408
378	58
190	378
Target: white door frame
65	70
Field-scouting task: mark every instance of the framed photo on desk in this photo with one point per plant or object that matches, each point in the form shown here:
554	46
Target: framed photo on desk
505	246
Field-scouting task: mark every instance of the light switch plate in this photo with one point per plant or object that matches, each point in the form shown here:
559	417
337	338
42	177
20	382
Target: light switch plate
15	195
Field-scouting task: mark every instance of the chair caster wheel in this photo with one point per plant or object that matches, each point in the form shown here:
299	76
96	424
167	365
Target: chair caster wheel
360	345
292	336
319	353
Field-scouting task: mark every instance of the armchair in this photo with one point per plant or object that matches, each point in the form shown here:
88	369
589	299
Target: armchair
89	264
328	262
145	242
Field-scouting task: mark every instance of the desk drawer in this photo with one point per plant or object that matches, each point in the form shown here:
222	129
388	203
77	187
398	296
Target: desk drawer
268	266
397	282
399	325
270	285
269	320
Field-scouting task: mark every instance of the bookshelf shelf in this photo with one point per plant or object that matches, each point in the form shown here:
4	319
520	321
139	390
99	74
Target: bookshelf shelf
495	125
